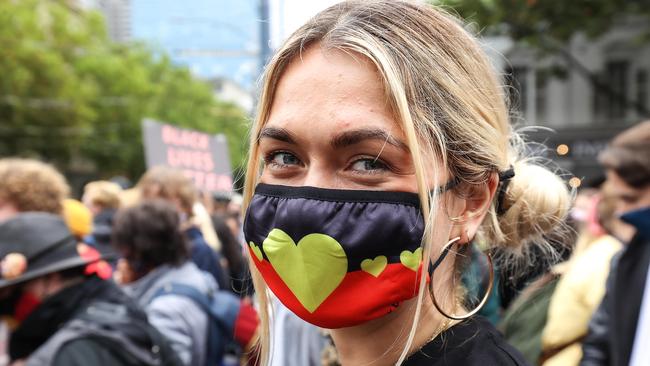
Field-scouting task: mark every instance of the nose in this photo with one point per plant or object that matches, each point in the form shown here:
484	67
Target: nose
320	176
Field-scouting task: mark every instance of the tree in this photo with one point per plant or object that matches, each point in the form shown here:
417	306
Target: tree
68	92
547	26
528	20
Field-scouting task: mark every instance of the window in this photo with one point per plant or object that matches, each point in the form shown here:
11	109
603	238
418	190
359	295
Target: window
600	97
642	89
541	83
617	72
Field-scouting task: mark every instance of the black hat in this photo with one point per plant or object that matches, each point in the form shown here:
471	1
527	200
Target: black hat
34	244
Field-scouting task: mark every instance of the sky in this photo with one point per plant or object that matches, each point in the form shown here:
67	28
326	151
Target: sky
288	15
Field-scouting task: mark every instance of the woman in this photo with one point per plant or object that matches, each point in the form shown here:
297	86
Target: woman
173	186
155	255
102	199
381	149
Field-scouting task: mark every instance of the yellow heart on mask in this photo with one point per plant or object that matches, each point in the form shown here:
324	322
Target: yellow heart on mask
374	266
411	259
311	269
256	250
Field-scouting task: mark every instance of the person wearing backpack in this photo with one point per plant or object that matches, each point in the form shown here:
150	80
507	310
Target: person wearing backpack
61	313
182	301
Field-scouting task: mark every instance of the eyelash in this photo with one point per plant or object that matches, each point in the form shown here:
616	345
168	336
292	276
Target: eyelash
269	160
270	157
374	160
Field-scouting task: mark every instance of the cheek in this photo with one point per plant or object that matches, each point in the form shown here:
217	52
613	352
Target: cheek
645	198
443	229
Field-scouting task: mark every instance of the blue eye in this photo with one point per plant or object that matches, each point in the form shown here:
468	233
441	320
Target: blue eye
368	166
281	158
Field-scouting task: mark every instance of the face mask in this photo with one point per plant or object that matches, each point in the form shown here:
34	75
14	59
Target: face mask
640	219
336	258
17	306
25	305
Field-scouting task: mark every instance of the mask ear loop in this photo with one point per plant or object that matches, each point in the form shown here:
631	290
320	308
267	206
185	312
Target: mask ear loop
432	270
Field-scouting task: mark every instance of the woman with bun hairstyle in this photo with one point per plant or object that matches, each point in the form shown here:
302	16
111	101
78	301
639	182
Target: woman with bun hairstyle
381	149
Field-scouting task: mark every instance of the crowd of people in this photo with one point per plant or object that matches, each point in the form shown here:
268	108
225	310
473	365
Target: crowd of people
85	282
389	216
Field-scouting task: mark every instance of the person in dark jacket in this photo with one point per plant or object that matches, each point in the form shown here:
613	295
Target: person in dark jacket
103	200
61	314
203	325
171	185
619	331
232	251
154	255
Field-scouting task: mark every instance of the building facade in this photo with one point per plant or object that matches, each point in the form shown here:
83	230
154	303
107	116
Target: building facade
586	92
117	14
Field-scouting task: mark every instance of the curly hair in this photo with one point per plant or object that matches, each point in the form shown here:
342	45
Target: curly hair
103	193
31	185
148	235
169	184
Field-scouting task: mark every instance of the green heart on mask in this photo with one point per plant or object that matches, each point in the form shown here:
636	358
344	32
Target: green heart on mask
411	259
311	269
374	266
256	250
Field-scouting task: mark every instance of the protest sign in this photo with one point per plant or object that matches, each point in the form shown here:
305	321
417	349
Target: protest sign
201	156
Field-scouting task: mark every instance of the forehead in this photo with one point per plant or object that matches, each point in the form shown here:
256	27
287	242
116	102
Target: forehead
331	89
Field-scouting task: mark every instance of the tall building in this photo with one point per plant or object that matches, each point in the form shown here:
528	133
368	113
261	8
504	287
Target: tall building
117	14
215	39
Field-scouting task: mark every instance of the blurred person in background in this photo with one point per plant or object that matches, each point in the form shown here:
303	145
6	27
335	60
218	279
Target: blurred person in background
154	255
584	214
30	185
582	283
235	204
232	250
619	331
524	319
219	202
62	313
103	200
78	218
234	217
173	186
231	244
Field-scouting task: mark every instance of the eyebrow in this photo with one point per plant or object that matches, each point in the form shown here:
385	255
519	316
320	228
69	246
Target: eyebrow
344	139
348	138
278	134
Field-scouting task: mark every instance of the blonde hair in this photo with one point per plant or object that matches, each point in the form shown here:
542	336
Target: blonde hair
168	183
31	185
103	193
450	105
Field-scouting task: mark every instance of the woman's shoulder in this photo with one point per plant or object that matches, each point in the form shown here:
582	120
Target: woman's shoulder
468	343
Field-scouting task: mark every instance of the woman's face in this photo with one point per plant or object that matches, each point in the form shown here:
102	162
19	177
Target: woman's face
331	126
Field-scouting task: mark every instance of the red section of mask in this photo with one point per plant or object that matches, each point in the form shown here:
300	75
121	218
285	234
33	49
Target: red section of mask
359	298
26	304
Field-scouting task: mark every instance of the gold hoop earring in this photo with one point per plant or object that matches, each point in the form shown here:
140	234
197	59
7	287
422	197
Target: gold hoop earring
445	251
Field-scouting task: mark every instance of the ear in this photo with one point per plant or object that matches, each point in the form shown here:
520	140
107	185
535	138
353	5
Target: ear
474	205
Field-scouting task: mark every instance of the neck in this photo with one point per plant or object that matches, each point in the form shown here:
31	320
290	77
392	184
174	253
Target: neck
381	341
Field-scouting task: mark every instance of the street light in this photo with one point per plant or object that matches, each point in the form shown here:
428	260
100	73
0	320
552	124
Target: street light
562	149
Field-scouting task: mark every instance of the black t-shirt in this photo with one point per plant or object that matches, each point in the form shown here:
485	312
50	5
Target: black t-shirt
468	343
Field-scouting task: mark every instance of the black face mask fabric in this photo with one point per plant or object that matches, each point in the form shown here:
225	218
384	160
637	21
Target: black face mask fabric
336	258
